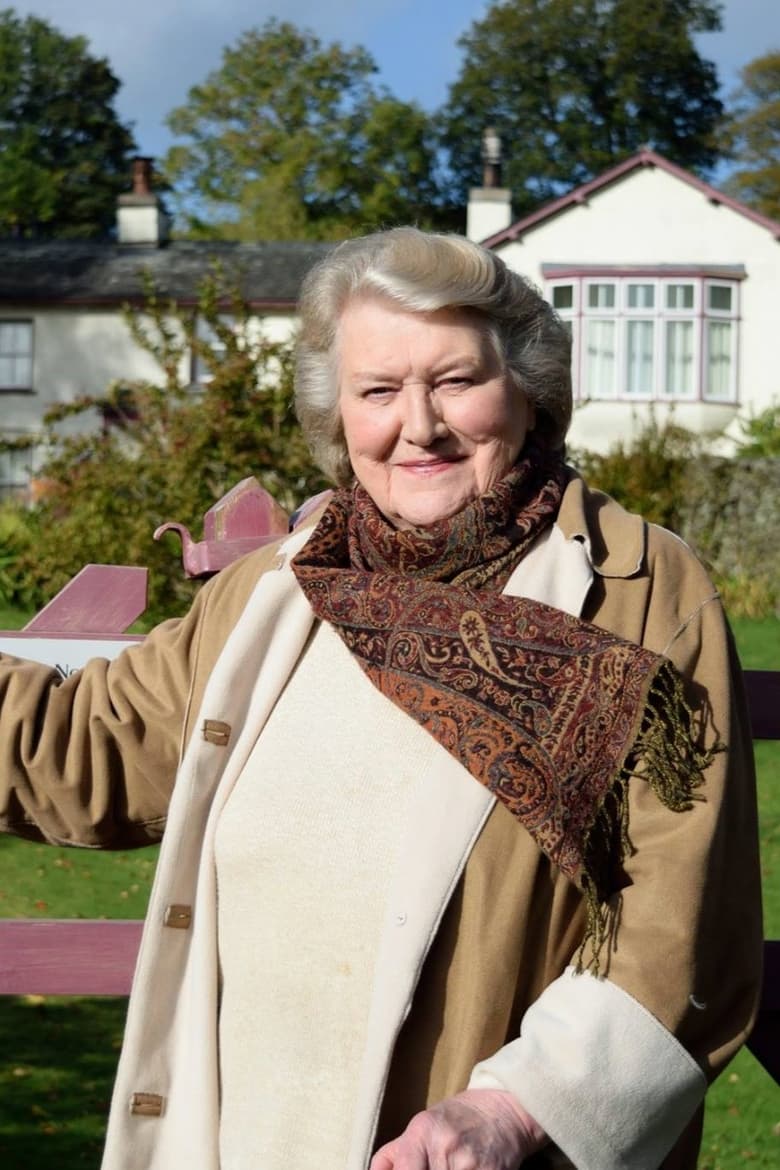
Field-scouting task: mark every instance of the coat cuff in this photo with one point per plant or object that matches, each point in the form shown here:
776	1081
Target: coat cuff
610	1085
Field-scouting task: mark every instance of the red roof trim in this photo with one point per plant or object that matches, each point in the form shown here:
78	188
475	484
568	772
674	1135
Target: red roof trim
650	271
643	158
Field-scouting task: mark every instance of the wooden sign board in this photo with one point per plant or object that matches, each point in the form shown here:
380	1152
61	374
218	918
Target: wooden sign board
65	653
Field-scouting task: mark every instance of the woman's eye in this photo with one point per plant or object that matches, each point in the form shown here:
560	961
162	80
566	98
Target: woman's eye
461	383
378	391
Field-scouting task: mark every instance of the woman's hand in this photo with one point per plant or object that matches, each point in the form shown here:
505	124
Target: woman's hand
480	1129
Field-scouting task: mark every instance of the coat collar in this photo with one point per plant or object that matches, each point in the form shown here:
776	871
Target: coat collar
614	539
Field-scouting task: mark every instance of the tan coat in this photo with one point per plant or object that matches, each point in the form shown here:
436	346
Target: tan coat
690	917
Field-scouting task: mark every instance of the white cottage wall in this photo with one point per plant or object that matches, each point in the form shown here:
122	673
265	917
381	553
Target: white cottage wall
650	217
79	352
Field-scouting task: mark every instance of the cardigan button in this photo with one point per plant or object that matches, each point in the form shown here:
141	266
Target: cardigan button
400	919
215	731
147	1104
178	916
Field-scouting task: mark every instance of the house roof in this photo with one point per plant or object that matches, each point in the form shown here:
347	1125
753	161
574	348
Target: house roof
643	158
93	273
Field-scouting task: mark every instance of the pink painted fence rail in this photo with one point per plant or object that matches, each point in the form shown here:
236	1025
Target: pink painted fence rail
83	957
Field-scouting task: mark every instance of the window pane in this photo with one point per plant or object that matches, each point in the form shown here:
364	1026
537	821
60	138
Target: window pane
719	360
679	359
719	297
563	296
601	296
23	372
6	372
641	296
639	362
600	359
679	296
15	337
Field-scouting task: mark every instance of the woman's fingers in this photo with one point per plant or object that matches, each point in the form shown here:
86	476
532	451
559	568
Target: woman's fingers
480	1129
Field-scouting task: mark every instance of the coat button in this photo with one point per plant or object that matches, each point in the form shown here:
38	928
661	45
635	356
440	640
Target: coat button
178	916
215	731
147	1104
400	918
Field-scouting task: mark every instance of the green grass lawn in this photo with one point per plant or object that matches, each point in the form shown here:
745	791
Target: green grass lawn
57	1057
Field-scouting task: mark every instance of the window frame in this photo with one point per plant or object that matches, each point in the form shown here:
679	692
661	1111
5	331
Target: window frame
699	316
28	386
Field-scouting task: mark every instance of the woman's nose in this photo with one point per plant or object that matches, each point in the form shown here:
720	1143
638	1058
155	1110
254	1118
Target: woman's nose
422	422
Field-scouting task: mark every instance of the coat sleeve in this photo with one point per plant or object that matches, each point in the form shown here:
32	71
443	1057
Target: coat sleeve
90	760
614	1067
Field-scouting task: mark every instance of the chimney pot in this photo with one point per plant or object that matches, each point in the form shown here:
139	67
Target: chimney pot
142	176
491	158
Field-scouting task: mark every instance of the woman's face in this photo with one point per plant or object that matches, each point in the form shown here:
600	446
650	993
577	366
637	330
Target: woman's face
430	418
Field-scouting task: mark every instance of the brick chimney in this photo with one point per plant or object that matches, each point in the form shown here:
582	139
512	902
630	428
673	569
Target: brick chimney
140	217
490	206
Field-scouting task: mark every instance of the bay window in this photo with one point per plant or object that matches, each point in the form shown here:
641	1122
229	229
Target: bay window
650	334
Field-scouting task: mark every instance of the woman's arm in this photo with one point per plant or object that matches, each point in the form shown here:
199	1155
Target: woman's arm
89	760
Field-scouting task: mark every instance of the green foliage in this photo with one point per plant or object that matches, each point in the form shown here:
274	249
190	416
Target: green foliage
291	138
722	507
64	154
170	450
753	130
646	474
761	434
576	85
15	539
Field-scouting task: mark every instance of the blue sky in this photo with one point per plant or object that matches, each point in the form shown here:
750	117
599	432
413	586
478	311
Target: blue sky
159	48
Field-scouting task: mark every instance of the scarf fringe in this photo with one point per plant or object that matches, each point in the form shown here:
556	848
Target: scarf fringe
664	755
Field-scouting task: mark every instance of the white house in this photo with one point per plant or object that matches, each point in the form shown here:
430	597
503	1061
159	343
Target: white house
62	329
671	291
670	288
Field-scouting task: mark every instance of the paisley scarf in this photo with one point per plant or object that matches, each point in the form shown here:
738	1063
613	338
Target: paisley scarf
550	713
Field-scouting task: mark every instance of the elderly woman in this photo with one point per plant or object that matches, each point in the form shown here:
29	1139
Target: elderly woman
460	861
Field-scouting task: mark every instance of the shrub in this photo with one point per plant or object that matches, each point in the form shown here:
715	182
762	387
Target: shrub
15	539
760	434
724	508
168	451
646	474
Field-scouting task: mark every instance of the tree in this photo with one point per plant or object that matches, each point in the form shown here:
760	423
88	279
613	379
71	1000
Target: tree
64	154
169	452
573	86
292	139
753	130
